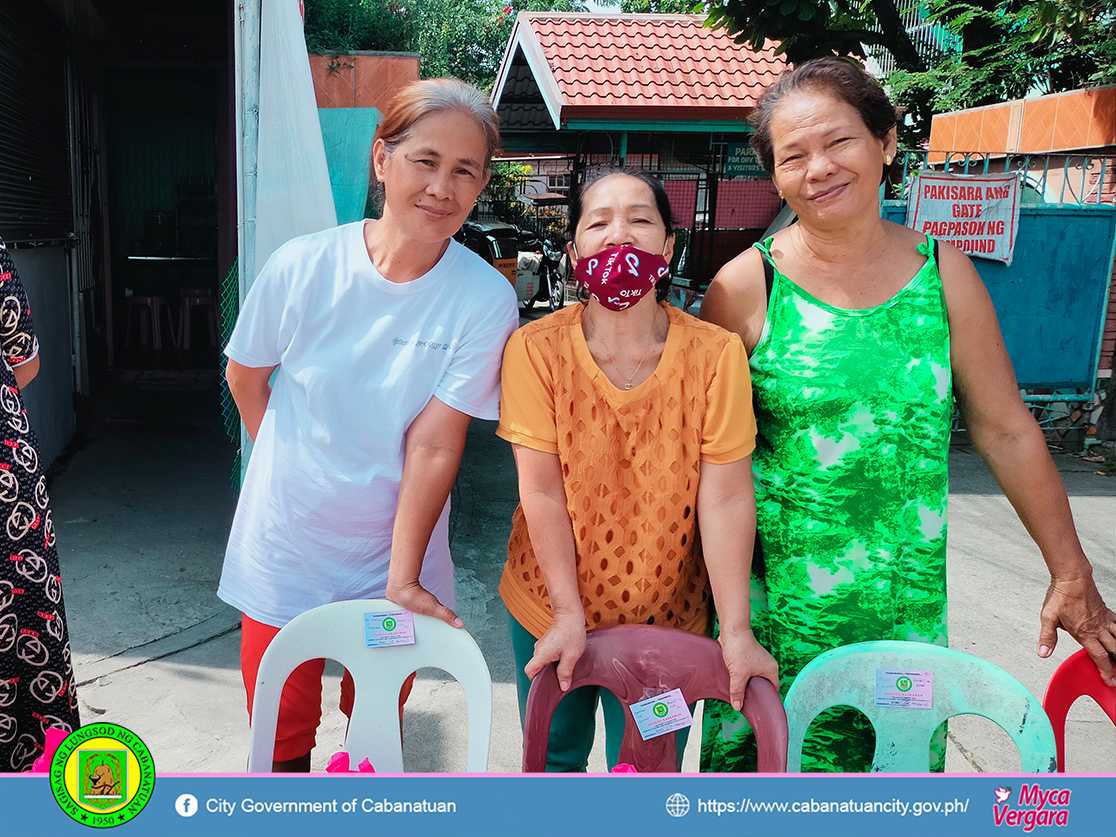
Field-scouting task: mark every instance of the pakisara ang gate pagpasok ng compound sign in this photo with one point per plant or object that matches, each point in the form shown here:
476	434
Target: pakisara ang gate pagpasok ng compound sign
978	214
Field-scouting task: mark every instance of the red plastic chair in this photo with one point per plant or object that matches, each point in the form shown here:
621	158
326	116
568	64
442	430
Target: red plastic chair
635	662
1076	677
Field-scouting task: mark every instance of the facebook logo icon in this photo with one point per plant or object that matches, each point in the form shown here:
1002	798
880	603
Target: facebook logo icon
186	805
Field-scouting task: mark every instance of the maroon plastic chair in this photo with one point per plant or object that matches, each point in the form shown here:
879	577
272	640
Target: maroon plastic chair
1076	677
636	662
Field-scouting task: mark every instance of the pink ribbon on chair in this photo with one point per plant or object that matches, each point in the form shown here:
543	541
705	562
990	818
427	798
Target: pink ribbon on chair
54	737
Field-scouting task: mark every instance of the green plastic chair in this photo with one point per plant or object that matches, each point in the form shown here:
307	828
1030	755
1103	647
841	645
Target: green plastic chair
962	685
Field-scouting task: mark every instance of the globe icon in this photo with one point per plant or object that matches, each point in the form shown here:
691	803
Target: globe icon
677	805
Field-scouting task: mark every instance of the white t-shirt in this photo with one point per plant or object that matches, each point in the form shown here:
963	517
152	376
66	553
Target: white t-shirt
359	357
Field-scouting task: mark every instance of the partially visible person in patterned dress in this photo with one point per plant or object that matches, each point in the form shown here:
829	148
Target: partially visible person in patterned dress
36	672
861	333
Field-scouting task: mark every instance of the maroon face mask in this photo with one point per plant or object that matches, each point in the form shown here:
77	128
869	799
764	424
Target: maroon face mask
619	277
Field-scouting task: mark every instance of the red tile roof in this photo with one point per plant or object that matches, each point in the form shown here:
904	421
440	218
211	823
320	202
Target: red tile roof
634	66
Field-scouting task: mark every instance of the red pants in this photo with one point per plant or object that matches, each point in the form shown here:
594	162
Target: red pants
300	706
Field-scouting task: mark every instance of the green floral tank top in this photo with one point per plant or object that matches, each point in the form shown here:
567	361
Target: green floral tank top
853	409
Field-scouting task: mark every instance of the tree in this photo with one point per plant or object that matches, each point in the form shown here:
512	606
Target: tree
502	192
336	26
807	29
464	39
812	28
994	49
661	7
1043	46
460	38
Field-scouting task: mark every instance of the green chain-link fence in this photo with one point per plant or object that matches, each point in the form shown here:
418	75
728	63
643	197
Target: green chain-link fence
230	307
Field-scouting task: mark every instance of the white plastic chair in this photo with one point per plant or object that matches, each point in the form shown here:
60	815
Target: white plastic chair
336	632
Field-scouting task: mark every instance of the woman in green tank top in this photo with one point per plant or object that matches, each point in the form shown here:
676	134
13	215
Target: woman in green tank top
861	333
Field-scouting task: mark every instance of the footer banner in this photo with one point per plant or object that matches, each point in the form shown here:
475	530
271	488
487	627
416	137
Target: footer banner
596	806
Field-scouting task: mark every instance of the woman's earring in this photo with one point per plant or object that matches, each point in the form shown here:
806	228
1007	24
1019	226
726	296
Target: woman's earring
887	160
780	195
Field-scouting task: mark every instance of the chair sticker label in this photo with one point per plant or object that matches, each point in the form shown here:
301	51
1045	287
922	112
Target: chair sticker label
661	714
392	627
904	689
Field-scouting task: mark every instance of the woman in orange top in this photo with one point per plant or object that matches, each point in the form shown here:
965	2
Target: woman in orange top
629	420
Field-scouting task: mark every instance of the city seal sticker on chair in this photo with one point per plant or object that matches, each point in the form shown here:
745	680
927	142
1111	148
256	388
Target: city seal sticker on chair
389	628
661	714
904	689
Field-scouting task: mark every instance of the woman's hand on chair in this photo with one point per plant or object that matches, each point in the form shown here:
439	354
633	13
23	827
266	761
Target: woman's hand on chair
746	658
417	599
563	643
1075	605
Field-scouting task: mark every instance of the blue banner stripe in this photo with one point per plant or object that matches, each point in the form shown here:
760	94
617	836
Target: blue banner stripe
641	806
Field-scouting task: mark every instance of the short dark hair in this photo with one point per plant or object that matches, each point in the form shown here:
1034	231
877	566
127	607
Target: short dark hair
839	77
662	203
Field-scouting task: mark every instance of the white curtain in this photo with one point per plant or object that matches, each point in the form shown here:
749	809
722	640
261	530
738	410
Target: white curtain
293	195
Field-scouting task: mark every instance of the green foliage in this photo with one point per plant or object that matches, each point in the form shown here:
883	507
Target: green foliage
503	190
1007	48
464	39
506	180
805	28
1045	46
460	38
661	7
334	26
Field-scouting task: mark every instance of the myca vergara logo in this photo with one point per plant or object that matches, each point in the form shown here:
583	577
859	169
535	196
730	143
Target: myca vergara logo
1034	807
102	775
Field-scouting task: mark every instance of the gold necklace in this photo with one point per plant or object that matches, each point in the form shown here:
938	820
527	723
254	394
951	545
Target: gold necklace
628	384
612	362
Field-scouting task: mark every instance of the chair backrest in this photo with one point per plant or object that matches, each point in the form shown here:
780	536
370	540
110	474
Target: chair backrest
336	632
636	662
961	685
1076	677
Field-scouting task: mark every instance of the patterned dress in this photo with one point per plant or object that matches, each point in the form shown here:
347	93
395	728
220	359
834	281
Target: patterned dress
853	409
36	673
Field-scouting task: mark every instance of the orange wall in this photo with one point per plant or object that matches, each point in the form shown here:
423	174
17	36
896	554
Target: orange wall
1070	121
361	81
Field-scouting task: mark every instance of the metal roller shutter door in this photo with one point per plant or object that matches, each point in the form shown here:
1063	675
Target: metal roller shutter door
34	147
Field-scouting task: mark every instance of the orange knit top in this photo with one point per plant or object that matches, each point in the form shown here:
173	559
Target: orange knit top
630	464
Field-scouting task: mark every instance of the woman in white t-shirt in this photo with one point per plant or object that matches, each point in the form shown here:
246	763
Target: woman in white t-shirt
385	337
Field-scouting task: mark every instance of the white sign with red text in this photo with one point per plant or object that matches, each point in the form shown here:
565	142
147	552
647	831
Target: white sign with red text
978	214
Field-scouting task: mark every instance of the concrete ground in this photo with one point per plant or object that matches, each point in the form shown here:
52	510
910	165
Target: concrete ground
142	513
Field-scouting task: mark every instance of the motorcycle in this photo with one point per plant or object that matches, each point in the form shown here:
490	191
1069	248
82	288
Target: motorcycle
543	268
